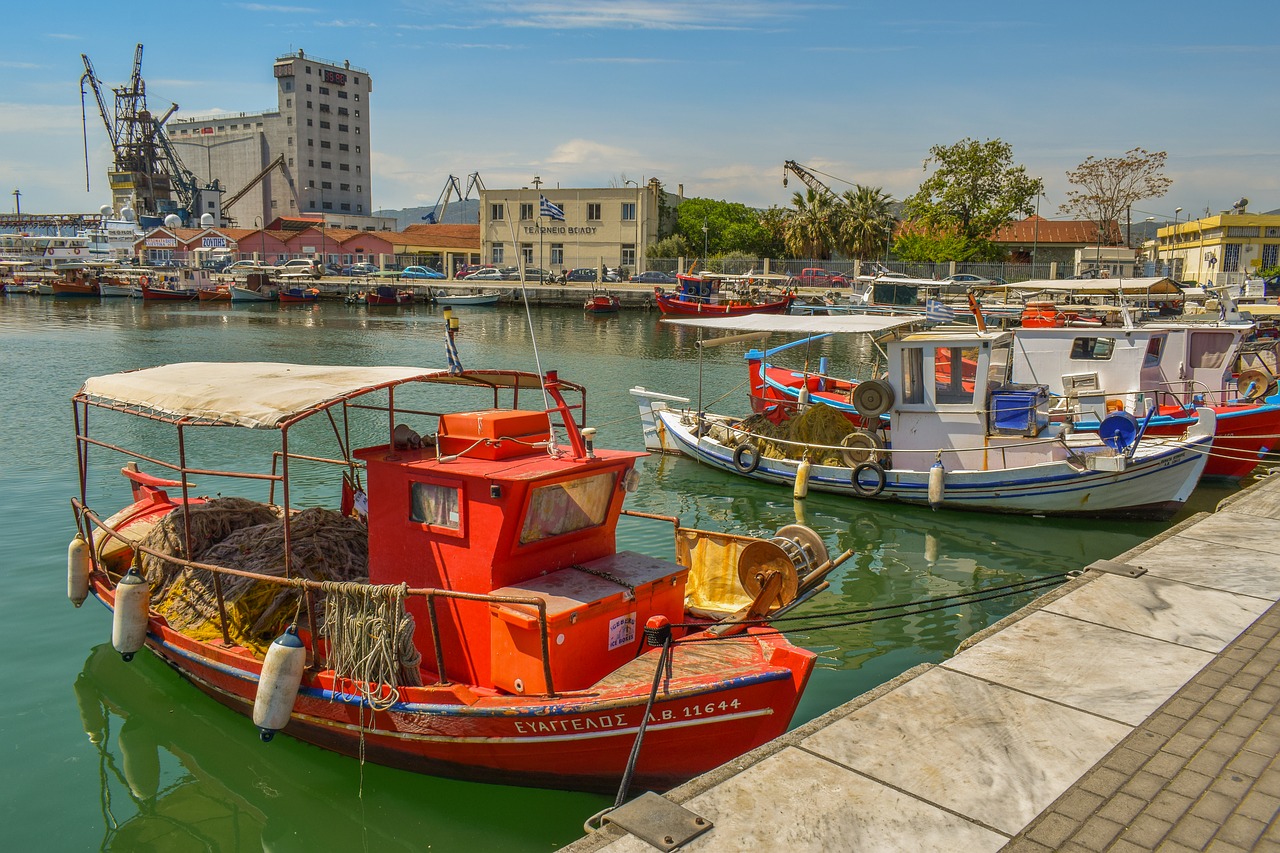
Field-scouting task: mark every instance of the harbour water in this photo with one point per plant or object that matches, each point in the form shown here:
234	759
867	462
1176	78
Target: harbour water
114	756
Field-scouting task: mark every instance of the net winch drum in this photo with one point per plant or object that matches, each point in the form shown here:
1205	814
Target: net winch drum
795	551
1118	430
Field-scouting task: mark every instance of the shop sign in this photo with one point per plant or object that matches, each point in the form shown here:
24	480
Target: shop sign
214	242
162	242
561	229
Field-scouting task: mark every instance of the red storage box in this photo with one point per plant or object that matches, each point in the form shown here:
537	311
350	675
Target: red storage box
594	623
478	434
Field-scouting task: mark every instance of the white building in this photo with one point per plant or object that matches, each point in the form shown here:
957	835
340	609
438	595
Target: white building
309	155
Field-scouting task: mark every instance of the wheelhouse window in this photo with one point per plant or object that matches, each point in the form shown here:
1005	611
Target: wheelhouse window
953	374
559	508
913	375
1210	349
998	370
1155	346
435	504
1092	349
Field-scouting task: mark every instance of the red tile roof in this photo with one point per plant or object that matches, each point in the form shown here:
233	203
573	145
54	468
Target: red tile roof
1037	229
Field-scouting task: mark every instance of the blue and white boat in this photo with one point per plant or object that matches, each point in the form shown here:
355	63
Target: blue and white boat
957	434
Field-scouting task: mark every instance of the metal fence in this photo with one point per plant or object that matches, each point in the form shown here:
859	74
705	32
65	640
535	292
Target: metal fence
792	266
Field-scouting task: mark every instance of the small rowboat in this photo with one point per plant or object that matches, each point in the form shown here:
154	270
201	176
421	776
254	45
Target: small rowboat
488	297
299	294
164	293
602	303
220	293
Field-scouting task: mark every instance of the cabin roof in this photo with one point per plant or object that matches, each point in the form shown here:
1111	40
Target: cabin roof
798	323
262	395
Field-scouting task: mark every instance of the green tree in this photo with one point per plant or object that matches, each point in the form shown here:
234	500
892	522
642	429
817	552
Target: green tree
865	222
811	228
1108	187
731	227
668	247
973	190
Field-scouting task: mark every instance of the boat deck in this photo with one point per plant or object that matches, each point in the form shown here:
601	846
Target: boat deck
1114	713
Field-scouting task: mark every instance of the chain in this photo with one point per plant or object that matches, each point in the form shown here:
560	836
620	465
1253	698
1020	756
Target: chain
601	573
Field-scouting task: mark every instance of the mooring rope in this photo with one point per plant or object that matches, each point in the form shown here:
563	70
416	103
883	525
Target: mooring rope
370	638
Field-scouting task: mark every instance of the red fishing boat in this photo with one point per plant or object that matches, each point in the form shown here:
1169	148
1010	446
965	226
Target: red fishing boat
602	303
700	295
388	295
483	624
217	293
158	292
76	284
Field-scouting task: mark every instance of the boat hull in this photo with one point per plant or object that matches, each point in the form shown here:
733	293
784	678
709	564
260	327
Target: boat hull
1154	485
724	699
694	308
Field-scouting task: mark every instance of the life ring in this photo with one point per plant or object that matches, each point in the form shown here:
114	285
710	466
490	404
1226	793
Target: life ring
875	488
77	251
144	281
863	446
746	458
872	398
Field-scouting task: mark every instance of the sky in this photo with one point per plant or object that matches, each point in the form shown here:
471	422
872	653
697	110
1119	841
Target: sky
713	95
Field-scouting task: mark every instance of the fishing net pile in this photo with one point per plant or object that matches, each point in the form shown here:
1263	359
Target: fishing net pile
240	534
818	424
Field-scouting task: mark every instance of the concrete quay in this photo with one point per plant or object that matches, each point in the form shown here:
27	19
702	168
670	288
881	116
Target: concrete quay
1115	713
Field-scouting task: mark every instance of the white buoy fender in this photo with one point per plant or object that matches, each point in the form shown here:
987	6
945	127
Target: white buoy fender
129	622
278	685
801	489
78	570
930	548
937	484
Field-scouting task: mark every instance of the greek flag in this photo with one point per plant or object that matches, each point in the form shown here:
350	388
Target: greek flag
935	311
451	352
549	210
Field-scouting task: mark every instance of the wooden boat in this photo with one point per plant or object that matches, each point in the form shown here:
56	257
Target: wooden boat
485	297
217	293
27	288
602	303
1169	371
114	288
961	438
256	288
160	292
509	623
699	295
386	294
294	293
76	284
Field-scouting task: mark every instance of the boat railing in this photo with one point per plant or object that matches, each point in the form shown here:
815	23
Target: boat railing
87	521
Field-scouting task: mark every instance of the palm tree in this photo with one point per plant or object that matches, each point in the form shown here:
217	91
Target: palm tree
810	230
865	223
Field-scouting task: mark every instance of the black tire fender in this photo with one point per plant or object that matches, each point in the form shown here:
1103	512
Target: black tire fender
875	488
746	457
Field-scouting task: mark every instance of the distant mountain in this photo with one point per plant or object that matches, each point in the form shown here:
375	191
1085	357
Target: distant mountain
458	213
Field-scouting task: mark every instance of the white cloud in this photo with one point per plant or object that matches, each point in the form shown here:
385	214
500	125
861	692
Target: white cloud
579	152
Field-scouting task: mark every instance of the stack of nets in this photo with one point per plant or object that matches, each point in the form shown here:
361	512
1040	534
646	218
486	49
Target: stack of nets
239	534
818	424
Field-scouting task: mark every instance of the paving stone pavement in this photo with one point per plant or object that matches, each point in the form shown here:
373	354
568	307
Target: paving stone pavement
1202	773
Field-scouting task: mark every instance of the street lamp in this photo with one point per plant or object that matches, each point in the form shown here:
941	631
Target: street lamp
704	243
257	220
537	186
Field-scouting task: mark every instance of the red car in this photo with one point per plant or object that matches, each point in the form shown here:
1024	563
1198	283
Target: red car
818	277
467	269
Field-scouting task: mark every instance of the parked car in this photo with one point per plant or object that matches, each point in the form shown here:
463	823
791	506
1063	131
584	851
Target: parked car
530	274
305	266
332	269
486	274
242	266
421	272
612	275
968	279
583	274
466	270
654	277
359	269
818	277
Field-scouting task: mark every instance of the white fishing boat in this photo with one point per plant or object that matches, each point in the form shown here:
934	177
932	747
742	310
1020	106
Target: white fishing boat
957	435
484	297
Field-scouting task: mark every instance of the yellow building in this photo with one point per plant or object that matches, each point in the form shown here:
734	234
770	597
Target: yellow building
607	227
1223	249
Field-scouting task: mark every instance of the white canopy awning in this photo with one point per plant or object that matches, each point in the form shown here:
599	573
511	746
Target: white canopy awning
1157	284
799	324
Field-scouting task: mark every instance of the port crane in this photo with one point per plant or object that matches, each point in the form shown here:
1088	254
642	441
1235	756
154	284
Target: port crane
146	174
451	187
